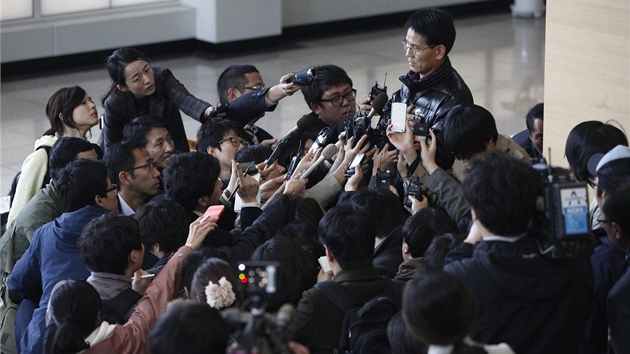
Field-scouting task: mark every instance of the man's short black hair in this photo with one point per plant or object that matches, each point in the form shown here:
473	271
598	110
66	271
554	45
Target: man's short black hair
383	204
536	112
257	153
190	176
327	76
616	203
502	192
349	233
107	241
212	132
587	139
64	151
467	130
189	328
136	131
435	25
120	158
423	226
164	222
80	182
233	77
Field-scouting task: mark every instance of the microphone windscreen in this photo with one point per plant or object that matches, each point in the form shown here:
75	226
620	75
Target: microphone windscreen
305	121
380	101
329	151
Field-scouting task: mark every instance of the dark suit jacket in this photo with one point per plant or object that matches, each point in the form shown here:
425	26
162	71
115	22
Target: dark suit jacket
317	322
169	98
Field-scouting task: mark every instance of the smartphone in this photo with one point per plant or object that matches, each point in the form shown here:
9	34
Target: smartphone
323	262
249	168
214	211
355	162
399	117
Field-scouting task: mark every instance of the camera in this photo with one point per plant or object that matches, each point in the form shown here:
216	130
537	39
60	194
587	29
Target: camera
385	179
377	90
258	331
412	187
562	227
421	128
220	108
358	126
304	77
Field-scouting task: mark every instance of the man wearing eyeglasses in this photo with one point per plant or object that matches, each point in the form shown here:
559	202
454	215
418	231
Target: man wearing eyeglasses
331	98
244	83
222	139
135	171
432	86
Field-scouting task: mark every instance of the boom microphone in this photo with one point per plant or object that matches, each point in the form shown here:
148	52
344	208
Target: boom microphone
301	124
329	151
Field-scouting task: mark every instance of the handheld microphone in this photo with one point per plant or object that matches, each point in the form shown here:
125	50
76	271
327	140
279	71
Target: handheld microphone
378	104
301	124
329	151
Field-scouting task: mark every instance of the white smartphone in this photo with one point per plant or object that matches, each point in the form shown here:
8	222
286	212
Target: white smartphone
399	117
323	262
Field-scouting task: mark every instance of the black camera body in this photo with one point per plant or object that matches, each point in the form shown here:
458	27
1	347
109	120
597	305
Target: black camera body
412	187
384	179
258	331
563	227
304	77
357	126
377	90
220	108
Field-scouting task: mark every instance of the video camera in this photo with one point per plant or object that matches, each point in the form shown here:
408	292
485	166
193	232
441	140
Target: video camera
304	77
257	331
563	228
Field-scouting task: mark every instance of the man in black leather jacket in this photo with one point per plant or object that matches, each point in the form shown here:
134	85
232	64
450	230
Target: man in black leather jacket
432	86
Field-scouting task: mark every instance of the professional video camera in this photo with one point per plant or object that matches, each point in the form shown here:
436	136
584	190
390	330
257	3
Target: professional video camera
257	331
563	227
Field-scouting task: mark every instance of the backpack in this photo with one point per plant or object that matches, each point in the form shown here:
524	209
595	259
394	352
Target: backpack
114	309
364	327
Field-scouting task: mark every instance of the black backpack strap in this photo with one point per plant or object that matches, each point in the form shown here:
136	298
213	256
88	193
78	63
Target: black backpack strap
114	309
47	177
337	295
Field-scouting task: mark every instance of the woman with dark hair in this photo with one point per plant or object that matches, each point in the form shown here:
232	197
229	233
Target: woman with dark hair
296	274
585	140
71	113
139	89
214	283
445	315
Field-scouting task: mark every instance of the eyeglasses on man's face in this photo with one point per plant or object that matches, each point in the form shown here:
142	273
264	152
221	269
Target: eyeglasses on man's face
413	48
255	88
236	142
114	187
151	165
338	101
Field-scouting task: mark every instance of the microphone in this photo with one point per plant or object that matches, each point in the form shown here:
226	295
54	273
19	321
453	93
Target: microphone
329	151
378	104
301	124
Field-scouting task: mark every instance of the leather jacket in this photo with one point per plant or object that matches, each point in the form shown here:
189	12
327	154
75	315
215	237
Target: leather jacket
433	96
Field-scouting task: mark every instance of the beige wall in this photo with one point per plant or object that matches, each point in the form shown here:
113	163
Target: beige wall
587	67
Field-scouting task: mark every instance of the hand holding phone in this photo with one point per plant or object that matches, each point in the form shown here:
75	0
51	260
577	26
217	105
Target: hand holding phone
213	211
358	159
399	117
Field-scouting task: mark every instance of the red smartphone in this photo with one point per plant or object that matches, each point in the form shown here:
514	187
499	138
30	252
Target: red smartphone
214	211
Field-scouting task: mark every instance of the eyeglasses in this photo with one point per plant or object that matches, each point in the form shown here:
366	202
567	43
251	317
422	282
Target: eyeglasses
593	183
338	101
114	187
151	165
255	88
236	142
414	49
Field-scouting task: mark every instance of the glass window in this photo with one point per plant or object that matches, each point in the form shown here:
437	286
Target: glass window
15	9
57	7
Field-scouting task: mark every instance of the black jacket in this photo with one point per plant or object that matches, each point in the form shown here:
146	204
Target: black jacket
534	304
433	96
